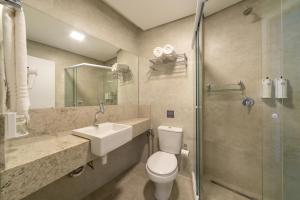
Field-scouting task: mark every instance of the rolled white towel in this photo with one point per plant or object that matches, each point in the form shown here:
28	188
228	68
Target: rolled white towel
169	50
158	52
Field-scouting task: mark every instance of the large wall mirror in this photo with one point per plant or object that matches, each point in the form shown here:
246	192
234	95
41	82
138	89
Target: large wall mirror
68	67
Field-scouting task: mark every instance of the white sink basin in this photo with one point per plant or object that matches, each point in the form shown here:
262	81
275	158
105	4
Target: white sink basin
105	137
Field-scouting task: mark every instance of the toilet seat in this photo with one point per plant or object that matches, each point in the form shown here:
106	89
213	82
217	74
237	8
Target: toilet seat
162	163
162	167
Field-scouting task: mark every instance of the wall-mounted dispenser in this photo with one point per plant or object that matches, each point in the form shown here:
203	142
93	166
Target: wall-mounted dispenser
281	88
266	88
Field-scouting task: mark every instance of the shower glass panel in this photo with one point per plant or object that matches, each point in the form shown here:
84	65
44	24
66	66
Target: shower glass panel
290	107
272	157
87	86
198	113
198	99
281	140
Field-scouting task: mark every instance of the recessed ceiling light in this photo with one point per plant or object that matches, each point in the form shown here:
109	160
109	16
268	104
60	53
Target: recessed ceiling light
77	36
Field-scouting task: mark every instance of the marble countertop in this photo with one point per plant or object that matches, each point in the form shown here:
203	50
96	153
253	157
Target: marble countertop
31	157
20	152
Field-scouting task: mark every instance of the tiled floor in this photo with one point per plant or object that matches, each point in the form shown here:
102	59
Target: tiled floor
135	185
214	192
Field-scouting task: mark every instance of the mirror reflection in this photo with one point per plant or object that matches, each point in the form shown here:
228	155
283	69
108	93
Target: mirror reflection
68	67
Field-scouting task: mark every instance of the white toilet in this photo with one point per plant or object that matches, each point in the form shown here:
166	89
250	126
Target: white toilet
162	166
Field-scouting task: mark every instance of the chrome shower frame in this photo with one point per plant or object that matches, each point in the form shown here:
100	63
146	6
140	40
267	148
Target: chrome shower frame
198	97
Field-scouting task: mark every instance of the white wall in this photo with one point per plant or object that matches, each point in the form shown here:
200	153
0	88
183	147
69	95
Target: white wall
42	85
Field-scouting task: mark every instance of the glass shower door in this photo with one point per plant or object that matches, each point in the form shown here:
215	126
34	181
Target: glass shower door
198	113
281	156
290	109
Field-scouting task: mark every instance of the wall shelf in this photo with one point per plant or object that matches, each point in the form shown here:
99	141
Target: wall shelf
178	60
226	87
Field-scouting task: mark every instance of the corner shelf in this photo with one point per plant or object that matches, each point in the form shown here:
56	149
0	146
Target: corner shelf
180	59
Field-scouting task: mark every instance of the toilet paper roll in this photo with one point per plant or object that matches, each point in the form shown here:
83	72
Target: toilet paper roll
185	153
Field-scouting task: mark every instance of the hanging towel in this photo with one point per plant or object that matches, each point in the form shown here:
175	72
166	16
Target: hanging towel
15	61
2	70
2	80
9	58
21	64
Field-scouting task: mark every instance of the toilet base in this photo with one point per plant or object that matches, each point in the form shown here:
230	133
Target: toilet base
163	190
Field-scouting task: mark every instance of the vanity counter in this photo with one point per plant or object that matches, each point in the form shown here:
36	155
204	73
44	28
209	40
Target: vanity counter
32	163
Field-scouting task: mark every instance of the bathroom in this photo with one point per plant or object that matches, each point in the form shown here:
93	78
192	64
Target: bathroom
145	100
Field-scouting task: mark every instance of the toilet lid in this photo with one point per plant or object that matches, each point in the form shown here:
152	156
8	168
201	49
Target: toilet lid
162	163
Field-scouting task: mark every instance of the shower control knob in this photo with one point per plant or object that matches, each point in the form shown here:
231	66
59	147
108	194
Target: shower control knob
247	101
275	116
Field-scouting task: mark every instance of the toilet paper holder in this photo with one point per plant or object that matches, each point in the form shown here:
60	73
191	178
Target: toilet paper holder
184	151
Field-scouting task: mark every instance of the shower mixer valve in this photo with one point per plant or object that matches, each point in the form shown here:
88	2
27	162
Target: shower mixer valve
247	101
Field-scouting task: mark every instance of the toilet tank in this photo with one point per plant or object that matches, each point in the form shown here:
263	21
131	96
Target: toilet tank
170	139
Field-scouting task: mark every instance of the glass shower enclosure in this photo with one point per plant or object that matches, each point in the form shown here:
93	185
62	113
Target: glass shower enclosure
198	97
89	85
280	117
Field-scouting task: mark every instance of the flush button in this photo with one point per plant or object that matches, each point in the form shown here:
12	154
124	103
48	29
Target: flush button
170	114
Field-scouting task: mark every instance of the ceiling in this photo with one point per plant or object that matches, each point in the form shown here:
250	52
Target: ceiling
147	14
50	31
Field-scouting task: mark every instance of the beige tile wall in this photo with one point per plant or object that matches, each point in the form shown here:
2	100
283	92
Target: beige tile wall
54	120
243	148
233	133
170	88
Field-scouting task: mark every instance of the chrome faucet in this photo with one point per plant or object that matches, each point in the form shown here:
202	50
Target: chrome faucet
101	110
